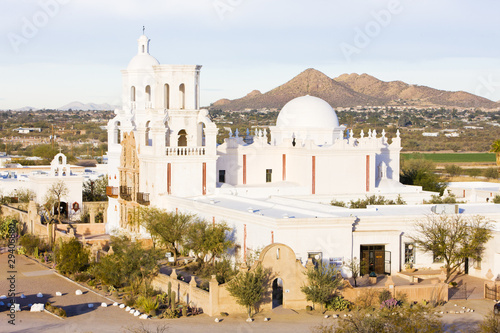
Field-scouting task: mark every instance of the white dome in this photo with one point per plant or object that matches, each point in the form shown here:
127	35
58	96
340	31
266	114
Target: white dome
307	112
142	61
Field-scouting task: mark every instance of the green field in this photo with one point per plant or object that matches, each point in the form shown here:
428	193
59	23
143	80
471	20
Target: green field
451	157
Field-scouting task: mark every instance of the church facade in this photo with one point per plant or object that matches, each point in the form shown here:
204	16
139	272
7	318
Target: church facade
268	186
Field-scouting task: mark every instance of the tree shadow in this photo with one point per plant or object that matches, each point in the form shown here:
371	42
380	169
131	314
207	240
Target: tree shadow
267	297
79	309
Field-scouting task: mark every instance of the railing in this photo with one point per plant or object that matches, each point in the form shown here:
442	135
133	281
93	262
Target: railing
185	151
126	193
143	198
112	191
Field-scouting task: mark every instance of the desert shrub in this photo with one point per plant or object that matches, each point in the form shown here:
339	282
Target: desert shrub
72	257
421	172
453	170
436	199
338	203
142	328
147	304
130	264
129	300
375	200
491	173
7	225
396	319
496	199
384	295
473	172
490	324
32	244
58	311
170	313
223	271
81	276
367	298
338	303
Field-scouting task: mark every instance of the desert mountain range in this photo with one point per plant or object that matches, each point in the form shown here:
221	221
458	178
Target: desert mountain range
353	90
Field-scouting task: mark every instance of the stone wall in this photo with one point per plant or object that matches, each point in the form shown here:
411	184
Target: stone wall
31	223
188	293
438	292
84	228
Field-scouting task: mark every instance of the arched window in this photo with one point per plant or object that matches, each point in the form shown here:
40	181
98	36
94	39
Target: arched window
132	94
182	96
117	133
182	140
149	140
201	134
148	93
166	96
60	160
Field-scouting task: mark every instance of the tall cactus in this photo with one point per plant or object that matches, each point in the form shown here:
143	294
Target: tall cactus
172	298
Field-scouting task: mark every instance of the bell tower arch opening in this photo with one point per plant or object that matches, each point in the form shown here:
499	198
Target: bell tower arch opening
148	139
182	138
182	96
166	96
148	93
201	134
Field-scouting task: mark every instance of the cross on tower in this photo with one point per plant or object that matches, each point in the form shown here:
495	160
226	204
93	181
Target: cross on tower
143	28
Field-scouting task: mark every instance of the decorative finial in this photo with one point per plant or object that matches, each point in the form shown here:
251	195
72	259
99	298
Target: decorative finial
230	133
374	133
383	133
362	134
236	133
143	29
397	133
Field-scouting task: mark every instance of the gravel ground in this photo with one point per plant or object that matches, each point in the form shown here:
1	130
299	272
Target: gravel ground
32	278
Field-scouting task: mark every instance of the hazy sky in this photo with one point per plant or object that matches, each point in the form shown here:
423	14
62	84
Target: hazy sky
53	52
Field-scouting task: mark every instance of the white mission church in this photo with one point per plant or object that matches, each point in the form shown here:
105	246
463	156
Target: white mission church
163	153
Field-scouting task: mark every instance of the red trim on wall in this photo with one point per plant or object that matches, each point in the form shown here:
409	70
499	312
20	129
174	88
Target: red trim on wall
204	179
169	178
367	173
314	175
284	167
244	169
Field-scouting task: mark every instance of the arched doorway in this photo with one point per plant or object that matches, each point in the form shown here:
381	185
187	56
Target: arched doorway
63	210
277	292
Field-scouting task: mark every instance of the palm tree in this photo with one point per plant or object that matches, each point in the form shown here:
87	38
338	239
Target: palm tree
495	148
